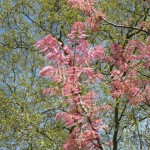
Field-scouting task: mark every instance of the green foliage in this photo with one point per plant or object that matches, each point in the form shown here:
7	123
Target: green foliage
27	118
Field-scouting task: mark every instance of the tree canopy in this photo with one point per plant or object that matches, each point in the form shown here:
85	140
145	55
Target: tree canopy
27	116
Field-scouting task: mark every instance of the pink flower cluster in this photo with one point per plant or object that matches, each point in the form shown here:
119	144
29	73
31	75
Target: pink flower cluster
72	71
127	63
87	6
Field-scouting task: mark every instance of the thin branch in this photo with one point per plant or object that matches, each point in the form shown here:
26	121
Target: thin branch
123	26
34	22
123	111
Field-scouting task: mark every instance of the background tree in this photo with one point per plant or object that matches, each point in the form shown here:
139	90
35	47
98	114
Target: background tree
27	118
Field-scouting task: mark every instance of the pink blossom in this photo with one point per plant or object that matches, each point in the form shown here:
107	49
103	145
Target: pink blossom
47	71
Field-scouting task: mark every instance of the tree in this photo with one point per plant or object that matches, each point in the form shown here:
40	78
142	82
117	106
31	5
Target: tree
125	69
22	23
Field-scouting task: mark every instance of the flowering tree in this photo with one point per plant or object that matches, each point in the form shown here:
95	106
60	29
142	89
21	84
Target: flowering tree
73	71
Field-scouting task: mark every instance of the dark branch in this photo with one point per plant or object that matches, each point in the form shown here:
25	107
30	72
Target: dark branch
123	26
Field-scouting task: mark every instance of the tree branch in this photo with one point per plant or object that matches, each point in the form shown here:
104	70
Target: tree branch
123	26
